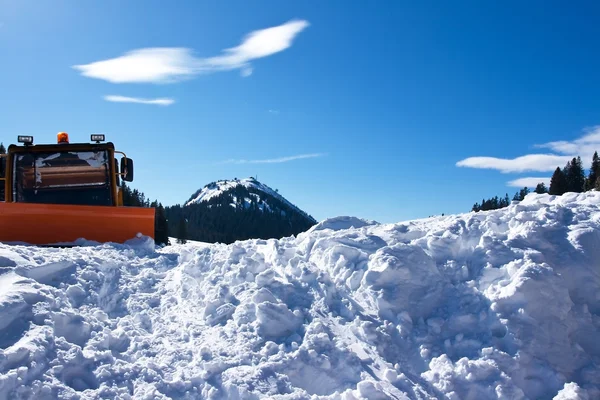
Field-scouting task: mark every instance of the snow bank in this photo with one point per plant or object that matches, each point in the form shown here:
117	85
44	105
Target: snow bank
502	304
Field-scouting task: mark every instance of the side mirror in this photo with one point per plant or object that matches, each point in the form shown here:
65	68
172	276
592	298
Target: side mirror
127	169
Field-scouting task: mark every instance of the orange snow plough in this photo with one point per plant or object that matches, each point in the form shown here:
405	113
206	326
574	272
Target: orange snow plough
55	194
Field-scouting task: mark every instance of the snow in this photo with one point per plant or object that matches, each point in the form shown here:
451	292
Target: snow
95	159
502	304
220	187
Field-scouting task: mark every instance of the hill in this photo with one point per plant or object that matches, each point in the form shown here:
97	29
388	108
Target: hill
238	209
488	305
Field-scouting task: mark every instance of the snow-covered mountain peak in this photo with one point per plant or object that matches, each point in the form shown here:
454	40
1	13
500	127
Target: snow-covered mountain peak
255	192
215	189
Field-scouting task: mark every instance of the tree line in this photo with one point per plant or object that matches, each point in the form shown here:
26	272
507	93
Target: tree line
570	178
240	213
136	198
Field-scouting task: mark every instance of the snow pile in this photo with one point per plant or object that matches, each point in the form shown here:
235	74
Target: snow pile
499	304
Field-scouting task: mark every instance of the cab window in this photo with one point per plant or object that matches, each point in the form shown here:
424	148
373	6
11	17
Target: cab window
66	177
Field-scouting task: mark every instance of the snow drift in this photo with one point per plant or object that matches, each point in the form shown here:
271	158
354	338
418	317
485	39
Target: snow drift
502	304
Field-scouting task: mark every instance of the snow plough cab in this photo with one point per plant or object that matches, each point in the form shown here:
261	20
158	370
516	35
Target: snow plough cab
56	194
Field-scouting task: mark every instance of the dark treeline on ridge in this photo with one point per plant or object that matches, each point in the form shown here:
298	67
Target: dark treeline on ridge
239	213
135	198
570	178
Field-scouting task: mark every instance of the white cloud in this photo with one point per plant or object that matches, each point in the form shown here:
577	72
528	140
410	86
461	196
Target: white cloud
563	152
246	71
584	146
530	162
173	64
275	160
274	111
124	99
144	65
530	182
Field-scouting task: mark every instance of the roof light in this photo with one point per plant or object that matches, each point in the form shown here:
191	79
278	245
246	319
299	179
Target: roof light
62	137
25	139
97	138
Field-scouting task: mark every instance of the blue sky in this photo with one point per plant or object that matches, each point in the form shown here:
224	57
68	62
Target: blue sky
397	110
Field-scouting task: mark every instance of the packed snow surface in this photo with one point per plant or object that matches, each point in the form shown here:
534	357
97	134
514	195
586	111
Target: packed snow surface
503	304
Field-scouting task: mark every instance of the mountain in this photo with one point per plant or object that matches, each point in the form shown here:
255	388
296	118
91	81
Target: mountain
264	195
239	209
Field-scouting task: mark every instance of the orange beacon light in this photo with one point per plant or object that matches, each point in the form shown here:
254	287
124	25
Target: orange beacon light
62	137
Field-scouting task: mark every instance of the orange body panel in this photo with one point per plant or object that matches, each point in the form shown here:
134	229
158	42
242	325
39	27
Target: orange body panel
47	224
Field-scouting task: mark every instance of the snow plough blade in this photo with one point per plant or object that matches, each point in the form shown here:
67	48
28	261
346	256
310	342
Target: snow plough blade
55	224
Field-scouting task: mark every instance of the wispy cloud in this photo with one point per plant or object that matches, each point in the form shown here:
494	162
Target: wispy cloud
173	64
561	152
275	160
530	162
124	99
584	146
273	111
530	182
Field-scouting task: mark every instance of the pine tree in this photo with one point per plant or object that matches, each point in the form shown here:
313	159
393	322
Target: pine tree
520	195
594	172
541	188
565	171
2	148
558	183
161	228
575	175
182	233
493	203
597	185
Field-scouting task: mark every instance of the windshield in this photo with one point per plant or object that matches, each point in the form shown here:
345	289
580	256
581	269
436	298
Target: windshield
66	177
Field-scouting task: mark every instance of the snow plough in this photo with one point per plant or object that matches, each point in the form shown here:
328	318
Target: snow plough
58	193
